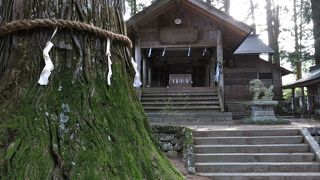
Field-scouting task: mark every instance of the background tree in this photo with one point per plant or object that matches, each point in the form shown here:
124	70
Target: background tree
301	57
252	15
76	127
273	28
296	42
133	7
226	4
220	4
316	28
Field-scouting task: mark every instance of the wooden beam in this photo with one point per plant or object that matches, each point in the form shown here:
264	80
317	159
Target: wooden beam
149	75
158	44
156	38
293	102
144	74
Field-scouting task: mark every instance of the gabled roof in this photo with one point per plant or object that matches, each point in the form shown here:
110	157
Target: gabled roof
284	71
253	45
209	10
234	31
313	77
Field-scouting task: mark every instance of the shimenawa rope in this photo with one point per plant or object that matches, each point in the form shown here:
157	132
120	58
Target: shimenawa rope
27	24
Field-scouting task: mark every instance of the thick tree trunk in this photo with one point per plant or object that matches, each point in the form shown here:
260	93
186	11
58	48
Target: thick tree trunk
226	4
316	28
297	44
252	14
76	127
269	25
273	28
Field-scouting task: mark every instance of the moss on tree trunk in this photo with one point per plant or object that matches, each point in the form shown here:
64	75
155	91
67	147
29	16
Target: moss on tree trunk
77	127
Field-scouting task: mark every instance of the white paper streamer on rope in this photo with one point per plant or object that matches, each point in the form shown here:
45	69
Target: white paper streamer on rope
137	82
189	51
218	72
150	52
164	52
46	72
204	52
109	62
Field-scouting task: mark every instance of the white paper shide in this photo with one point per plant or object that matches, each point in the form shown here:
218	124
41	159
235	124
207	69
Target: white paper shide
46	72
109	62
137	82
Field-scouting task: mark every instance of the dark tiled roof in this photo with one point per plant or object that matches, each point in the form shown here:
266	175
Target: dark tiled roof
253	45
313	77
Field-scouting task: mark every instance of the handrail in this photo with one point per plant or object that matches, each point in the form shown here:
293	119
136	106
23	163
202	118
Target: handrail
221	98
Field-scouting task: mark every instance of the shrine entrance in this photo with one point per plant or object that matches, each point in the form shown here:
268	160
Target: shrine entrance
179	67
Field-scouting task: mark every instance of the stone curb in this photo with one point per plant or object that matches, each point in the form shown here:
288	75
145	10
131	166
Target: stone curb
313	144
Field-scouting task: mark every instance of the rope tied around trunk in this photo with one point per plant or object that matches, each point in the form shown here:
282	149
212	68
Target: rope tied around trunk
27	24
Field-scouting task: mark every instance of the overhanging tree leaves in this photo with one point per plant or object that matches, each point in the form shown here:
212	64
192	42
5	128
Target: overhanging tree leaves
76	127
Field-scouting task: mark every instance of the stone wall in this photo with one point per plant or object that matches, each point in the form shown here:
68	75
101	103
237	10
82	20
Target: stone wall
170	140
315	132
176	142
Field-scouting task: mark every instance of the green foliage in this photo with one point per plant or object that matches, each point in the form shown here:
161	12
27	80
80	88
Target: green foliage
135	7
287	94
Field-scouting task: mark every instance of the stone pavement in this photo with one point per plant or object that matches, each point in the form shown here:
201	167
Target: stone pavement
295	123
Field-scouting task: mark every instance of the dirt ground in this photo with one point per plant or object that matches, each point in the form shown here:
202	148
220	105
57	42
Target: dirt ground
180	165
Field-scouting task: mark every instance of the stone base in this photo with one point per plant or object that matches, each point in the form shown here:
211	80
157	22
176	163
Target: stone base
263	110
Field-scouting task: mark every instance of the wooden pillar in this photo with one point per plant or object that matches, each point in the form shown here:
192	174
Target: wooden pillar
211	74
144	74
137	51
220	60
303	101
149	75
293	102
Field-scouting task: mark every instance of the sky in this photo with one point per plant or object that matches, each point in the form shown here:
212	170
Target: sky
239	10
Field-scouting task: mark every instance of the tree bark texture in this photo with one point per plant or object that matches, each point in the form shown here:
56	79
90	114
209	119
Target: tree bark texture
226	4
316	28
252	14
273	28
297	55
76	127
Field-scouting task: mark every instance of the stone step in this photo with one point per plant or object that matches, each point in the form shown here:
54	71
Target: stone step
183	99
264	176
248	140
192	103
213	118
258	167
254	157
252	132
179	89
266	148
178	94
202	108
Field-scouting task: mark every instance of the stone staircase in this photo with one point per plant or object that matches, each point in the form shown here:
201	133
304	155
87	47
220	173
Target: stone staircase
279	154
183	106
